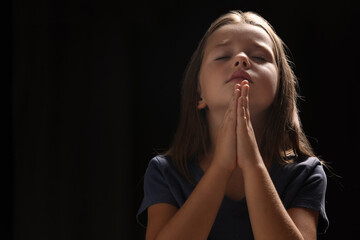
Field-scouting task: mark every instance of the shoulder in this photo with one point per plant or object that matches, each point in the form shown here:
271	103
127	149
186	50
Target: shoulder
302	175
313	166
158	186
161	162
164	183
162	168
304	163
300	167
308	163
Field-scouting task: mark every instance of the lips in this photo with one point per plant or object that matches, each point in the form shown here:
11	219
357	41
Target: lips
239	76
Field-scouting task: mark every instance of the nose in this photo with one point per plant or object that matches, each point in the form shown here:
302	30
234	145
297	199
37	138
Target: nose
242	60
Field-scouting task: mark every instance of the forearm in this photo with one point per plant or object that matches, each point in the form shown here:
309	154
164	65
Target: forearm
195	218
269	218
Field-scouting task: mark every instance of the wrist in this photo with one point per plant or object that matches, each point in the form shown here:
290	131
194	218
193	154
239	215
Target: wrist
252	167
227	164
221	171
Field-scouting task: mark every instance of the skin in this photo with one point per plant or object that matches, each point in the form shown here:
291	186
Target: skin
234	166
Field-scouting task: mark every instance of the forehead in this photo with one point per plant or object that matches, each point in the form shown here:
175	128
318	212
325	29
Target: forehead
243	32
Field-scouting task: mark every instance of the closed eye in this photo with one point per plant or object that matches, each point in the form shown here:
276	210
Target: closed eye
222	58
259	58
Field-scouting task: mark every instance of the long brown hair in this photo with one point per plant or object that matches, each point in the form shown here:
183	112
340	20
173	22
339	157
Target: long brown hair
283	132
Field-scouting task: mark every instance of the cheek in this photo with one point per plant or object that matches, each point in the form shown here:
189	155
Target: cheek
202	82
270	81
208	80
271	87
265	89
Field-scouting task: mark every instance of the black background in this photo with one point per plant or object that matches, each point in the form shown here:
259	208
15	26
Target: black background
94	90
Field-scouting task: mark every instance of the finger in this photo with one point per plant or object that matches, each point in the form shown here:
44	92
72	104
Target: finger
244	88
236	94
245	93
231	111
242	107
244	82
237	91
240	111
233	107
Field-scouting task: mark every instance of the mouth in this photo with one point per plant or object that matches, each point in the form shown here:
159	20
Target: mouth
239	76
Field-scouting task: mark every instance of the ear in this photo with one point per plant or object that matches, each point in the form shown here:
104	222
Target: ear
201	104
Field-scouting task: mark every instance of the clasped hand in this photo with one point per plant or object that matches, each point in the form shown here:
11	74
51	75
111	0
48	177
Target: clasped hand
236	143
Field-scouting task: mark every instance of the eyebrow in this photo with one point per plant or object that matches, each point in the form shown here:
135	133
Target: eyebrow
223	43
255	45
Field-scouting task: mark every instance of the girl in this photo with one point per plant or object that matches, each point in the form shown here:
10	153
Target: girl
240	166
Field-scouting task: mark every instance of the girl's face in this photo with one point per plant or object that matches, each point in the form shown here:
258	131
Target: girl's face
234	53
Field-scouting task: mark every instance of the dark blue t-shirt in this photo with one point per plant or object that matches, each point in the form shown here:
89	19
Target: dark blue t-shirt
299	184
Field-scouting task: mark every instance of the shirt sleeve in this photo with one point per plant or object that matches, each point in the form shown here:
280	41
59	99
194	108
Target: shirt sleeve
156	189
311	195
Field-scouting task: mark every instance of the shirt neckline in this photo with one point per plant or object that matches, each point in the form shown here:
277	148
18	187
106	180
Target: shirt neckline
199	173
